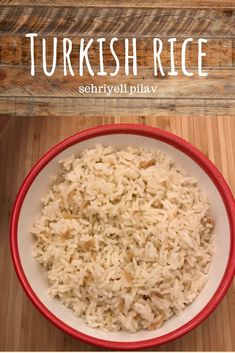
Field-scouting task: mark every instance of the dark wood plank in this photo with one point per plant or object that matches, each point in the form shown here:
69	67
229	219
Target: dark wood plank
128	3
15	50
4	119
17	81
78	21
49	106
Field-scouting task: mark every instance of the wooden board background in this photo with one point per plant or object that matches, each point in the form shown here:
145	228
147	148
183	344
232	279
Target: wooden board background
21	94
22	142
35	113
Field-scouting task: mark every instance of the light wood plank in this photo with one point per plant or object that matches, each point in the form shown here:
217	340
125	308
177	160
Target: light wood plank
23	142
130	3
118	21
33	106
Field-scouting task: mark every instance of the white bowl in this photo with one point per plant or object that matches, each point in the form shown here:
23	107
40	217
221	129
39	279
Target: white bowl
27	206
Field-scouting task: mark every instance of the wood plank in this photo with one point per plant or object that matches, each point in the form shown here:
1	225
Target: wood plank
24	142
127	3
15	50
3	122
17	81
49	106
78	21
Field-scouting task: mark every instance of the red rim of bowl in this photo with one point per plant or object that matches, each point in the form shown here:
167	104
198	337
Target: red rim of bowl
181	145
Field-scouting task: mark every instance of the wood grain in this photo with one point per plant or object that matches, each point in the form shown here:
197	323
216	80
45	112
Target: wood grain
19	82
15	50
22	143
51	106
212	19
140	22
3	122
130	3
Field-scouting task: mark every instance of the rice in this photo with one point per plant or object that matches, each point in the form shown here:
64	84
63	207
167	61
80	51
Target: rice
125	237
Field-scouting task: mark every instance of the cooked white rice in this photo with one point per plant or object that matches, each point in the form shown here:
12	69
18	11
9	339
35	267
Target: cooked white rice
125	237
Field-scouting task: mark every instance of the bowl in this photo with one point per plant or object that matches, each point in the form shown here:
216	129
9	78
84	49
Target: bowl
27	206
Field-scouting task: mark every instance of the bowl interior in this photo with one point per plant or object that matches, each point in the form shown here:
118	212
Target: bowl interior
36	277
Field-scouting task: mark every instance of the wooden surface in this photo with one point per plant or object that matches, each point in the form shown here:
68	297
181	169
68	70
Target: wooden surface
21	94
22	142
229	4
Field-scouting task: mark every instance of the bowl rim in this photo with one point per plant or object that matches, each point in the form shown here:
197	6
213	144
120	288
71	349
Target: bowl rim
158	134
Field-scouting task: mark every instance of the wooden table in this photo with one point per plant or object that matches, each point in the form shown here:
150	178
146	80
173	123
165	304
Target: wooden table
22	142
36	112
